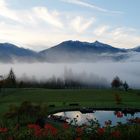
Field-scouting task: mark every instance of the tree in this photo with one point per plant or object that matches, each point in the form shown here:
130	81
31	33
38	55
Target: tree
125	85
11	79
116	83
1	82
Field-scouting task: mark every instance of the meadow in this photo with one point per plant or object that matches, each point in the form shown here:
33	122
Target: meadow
22	125
57	99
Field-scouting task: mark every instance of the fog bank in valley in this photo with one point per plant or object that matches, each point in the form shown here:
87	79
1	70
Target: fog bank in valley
99	72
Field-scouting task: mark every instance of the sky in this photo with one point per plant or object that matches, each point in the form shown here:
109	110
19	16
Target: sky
40	24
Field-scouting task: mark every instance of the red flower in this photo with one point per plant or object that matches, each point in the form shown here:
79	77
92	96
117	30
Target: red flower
37	131
79	131
65	125
119	114
10	138
3	130
136	120
101	131
33	126
116	134
108	123
78	138
50	129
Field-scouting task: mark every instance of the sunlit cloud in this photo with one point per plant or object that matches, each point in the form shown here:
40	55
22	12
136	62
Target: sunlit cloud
123	37
99	31
45	15
6	12
80	25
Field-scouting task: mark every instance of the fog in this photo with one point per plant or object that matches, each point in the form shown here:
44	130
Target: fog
89	72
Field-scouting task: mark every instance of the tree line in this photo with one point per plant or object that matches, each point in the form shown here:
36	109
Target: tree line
117	83
68	82
56	83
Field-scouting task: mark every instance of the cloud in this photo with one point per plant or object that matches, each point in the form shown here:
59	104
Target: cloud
88	5
45	15
30	16
123	37
101	30
80	25
2	4
38	26
6	12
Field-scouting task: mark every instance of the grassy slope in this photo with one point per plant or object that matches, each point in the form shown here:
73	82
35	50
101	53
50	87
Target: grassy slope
85	97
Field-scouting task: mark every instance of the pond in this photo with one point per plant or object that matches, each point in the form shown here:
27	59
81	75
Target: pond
101	116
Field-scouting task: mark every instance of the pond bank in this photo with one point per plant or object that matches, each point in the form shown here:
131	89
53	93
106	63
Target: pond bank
92	109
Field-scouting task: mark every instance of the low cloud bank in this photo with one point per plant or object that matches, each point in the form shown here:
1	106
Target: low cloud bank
92	73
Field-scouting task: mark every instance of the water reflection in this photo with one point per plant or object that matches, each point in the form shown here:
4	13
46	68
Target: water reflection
101	116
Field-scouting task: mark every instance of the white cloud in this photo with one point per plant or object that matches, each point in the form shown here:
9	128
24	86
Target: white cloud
2	4
86	4
99	31
80	25
123	37
6	12
45	15
31	16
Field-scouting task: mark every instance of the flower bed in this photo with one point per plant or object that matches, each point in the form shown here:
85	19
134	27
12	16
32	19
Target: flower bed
65	131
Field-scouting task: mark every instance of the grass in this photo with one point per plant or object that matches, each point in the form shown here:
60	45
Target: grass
97	98
62	98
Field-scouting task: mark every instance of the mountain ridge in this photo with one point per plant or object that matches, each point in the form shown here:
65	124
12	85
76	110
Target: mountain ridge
77	44
10	52
69	51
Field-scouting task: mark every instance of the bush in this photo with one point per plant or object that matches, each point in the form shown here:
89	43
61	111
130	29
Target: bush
116	83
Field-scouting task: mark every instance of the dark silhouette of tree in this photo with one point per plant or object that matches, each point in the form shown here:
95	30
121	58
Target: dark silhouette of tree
11	79
116	83
125	86
1	82
21	84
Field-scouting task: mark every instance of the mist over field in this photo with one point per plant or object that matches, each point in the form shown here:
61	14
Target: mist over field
100	72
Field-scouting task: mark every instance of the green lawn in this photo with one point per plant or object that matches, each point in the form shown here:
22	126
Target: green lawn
62	98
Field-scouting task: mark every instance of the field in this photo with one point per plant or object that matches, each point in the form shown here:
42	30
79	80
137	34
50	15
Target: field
61	99
22	124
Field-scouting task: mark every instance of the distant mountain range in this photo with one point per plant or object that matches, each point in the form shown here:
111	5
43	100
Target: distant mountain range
137	49
12	53
67	51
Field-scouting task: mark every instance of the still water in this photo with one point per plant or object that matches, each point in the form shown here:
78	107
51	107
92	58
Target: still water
101	116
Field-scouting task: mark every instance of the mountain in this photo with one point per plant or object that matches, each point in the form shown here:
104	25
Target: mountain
67	51
10	53
77	46
137	49
82	51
